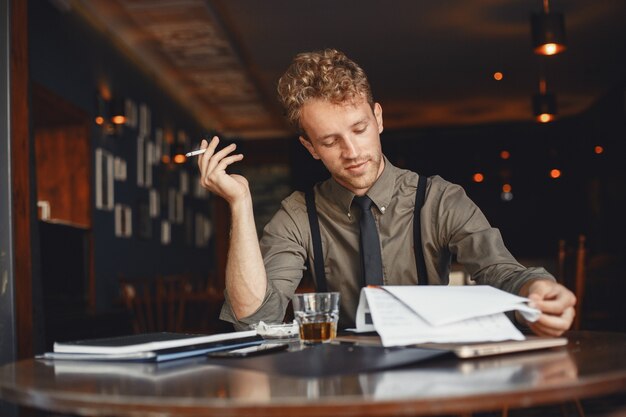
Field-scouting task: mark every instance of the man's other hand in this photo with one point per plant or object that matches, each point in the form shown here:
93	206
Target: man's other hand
556	304
213	175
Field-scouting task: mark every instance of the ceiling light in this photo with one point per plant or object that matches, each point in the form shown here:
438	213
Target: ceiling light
544	104
548	31
118	114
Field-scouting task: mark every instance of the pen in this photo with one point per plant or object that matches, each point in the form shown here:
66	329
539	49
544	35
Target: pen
196	152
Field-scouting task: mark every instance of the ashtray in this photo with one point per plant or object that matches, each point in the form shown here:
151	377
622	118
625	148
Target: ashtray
277	331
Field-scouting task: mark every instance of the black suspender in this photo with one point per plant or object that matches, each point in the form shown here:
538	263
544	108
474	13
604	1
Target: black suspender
420	197
320	272
316	236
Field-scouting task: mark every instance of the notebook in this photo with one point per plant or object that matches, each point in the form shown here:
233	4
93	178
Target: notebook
471	350
146	342
150	347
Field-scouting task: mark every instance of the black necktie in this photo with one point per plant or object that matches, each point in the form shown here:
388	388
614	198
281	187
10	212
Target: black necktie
370	244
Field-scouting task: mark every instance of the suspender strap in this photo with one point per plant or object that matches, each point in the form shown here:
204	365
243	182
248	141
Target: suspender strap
320	272
420	196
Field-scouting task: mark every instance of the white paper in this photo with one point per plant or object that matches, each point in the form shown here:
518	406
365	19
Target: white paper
443	304
399	325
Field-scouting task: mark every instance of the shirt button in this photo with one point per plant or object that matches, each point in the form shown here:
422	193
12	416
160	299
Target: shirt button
382	209
349	215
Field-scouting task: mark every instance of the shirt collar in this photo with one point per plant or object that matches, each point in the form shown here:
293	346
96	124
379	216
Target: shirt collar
380	192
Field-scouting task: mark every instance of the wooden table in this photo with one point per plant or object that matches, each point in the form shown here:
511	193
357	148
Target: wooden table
592	364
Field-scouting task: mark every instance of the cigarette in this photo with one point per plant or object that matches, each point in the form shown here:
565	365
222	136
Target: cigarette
196	152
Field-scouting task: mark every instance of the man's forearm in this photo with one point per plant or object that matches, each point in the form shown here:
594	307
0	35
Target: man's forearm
246	281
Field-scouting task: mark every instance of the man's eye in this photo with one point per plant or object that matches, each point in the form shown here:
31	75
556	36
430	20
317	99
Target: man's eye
360	130
329	143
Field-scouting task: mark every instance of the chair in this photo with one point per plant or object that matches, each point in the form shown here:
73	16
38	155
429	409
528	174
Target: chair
203	302
156	304
577	283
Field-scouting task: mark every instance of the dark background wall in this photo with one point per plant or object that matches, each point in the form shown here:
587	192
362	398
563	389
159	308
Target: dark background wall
72	60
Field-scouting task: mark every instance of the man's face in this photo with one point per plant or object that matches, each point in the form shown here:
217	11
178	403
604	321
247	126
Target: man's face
346	138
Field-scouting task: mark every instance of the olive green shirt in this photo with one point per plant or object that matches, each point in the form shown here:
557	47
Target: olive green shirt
451	224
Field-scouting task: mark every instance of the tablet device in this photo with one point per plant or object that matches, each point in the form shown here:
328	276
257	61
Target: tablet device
476	350
472	350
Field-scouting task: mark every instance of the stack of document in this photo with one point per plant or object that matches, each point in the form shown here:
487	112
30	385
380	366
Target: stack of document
153	347
406	315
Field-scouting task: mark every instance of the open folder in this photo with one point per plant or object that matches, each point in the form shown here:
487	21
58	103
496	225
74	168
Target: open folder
408	315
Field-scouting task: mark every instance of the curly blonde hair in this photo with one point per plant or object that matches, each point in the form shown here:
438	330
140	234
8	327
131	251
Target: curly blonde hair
328	75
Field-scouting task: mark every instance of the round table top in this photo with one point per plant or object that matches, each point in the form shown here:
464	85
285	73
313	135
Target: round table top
592	364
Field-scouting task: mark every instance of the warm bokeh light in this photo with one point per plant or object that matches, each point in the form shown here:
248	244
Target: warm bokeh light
179	158
498	76
545	117
478	177
99	120
550	49
555	173
165	159
118	119
506	188
598	149
505	154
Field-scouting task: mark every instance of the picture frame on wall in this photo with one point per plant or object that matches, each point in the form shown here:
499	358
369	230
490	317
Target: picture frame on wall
144	220
140	159
184	182
119	168
149	162
144	119
104	180
131	113
123	221
166	232
154	198
176	206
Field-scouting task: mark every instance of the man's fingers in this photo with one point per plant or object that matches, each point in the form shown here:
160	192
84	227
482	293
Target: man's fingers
540	330
203	145
205	158
213	177
554	325
218	156
557	304
225	162
553	307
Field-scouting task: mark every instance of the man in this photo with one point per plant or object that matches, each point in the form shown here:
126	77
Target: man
327	97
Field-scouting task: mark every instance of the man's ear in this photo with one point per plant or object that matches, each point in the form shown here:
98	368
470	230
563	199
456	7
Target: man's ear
378	113
309	147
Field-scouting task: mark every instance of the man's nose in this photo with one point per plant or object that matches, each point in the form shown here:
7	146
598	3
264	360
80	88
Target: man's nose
350	148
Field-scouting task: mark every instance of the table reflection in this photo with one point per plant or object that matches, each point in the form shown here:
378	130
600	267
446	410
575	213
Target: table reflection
473	376
194	377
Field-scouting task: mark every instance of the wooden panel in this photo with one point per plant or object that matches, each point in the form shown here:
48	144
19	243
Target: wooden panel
63	172
20	165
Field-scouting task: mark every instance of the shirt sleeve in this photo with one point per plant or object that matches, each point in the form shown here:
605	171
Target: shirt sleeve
466	233
284	249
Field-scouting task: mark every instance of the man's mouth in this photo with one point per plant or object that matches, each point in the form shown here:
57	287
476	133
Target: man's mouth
357	166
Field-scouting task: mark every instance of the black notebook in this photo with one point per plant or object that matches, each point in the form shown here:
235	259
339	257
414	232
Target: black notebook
145	342
156	347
